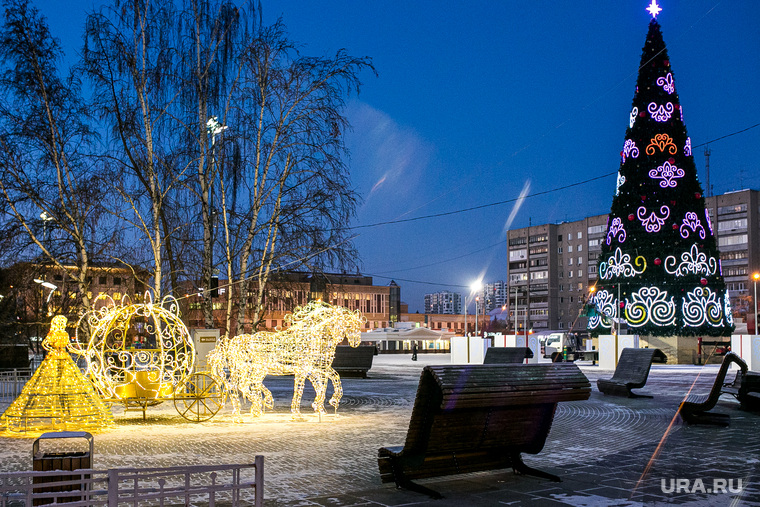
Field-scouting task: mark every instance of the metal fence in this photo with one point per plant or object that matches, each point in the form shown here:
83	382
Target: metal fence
192	485
13	381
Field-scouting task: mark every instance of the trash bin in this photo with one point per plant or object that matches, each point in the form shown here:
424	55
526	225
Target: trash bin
43	461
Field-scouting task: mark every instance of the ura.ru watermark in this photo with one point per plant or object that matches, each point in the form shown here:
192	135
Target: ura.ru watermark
715	485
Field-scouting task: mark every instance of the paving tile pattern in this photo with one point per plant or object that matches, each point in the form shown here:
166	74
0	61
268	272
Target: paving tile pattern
608	450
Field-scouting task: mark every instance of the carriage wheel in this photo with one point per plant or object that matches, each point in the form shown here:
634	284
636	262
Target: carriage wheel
199	398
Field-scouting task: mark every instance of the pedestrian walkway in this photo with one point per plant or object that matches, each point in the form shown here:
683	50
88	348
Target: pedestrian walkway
607	450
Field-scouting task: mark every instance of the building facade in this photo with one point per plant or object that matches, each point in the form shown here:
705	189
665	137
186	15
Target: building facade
444	303
551	266
380	305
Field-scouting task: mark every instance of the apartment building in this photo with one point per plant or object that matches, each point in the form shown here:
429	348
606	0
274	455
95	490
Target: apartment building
444	303
551	266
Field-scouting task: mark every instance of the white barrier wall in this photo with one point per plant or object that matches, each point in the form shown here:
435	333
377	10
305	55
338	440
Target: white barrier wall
535	347
459	350
748	348
611	346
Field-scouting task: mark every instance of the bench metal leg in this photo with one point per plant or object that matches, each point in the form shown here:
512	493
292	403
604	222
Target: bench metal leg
711	418
404	483
521	468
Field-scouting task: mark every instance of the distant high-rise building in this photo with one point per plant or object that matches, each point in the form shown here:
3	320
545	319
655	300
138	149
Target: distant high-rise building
494	294
445	302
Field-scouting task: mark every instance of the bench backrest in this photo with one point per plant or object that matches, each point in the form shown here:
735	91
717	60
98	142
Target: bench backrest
504	355
633	366
462	408
347	357
730	357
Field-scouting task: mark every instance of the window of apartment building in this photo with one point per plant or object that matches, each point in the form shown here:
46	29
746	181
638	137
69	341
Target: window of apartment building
569	236
561	300
102	280
580	287
518	241
58	278
539	238
518	277
559	249
738	208
117	280
580	248
580	260
732	256
539	262
559	237
518	265
739	239
597	229
570	261
562	274
561	288
592	269
580	273
516	255
539	275
593	242
570	274
569	248
561	325
559	261
535	250
592	256
571	299
580	234
735	271
732	225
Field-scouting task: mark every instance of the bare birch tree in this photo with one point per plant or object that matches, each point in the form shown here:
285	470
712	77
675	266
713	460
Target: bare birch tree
50	187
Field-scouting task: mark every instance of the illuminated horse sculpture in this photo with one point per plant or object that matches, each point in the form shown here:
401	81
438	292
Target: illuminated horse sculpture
304	349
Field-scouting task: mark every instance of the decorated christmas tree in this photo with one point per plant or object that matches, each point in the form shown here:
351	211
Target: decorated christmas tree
659	268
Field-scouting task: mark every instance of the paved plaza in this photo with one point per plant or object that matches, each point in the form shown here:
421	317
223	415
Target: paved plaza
607	450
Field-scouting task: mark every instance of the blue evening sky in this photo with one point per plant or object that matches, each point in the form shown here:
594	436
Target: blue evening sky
479	101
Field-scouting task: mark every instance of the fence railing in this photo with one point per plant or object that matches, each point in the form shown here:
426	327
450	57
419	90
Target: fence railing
13	381
191	485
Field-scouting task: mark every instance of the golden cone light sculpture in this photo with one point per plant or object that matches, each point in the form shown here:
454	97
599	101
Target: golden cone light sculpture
58	397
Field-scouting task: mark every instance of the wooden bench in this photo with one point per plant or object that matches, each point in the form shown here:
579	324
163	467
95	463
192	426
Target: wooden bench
470	418
695	408
631	372
505	355
353	361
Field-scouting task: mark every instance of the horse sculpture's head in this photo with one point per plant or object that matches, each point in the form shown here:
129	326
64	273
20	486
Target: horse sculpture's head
351	324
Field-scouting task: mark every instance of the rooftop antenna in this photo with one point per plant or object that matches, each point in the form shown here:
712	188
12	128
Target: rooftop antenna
707	167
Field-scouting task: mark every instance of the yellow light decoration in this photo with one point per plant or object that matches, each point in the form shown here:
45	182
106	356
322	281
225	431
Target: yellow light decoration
58	396
136	351
304	349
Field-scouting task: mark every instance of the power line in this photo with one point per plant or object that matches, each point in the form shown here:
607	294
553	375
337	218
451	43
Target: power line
536	194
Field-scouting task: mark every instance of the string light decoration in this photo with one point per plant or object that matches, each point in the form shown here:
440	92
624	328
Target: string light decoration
136	351
304	349
58	397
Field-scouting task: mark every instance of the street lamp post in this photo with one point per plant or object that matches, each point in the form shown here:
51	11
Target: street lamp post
755	277
52	288
477	316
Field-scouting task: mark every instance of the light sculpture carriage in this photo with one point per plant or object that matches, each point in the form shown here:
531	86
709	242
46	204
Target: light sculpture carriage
140	355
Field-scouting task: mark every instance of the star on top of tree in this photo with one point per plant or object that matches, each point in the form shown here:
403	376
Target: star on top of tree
654	9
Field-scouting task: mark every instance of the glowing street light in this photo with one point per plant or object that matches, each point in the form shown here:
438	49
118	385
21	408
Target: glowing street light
50	286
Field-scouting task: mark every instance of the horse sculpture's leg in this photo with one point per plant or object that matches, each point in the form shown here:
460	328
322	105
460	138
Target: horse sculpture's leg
337	387
295	405
319	382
